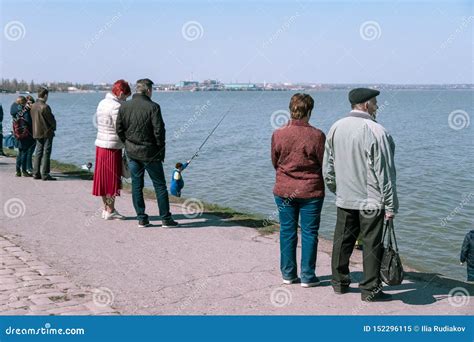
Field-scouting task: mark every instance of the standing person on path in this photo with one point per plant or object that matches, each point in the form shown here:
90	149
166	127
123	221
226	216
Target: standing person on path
141	128
2	154
467	255
359	167
29	154
297	156
23	133
44	126
108	161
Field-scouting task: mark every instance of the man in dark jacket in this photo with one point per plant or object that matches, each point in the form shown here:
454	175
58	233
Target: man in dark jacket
44	126
467	254
141	128
1	131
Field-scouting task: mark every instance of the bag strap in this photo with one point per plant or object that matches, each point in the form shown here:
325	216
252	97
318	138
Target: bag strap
385	230
392	231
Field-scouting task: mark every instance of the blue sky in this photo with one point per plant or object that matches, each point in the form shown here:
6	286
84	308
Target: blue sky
273	41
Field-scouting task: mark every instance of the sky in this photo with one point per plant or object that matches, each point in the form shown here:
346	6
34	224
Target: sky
396	42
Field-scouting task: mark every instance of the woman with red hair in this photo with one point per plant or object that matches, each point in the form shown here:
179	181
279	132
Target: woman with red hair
108	162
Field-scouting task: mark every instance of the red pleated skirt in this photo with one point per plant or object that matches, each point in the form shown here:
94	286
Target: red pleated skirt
107	172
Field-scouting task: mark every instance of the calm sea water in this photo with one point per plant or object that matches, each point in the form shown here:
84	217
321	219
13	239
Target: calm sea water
434	160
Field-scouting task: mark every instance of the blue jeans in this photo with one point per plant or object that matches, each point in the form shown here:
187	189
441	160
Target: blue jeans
29	157
289	212
21	160
155	171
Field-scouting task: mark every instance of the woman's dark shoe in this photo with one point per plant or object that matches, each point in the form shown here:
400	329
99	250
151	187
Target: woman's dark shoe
18	174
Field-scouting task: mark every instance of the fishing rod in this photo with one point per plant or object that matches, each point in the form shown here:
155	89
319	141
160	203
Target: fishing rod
212	132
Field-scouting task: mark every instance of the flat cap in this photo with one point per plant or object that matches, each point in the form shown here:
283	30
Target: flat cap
361	95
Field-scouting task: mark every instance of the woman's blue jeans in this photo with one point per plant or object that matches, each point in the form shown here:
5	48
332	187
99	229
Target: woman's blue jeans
290	210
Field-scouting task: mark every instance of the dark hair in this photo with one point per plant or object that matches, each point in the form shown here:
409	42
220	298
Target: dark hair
42	92
143	85
30	98
179	165
301	106
121	86
21	100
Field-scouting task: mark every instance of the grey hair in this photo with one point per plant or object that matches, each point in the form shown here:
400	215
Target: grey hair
143	85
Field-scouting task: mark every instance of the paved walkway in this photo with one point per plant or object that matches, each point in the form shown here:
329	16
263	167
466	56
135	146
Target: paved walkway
58	256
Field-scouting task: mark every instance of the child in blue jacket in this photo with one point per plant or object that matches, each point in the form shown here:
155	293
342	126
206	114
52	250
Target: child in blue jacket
467	254
177	182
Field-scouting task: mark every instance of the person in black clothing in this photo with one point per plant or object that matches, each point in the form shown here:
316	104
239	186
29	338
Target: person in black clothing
1	132
141	128
467	255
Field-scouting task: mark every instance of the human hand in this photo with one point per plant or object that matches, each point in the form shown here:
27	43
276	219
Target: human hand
389	215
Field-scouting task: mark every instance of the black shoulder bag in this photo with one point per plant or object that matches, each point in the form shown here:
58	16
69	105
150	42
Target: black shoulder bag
391	268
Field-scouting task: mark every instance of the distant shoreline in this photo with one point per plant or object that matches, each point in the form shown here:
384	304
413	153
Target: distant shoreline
311	90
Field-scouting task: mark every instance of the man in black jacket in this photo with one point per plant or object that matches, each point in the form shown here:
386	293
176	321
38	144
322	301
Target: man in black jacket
141	128
1	131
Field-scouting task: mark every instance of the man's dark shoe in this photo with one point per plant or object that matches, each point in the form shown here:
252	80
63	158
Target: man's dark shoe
341	290
49	178
26	174
376	297
18	174
170	224
143	223
36	176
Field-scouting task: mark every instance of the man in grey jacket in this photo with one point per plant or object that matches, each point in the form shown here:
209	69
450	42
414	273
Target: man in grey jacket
359	168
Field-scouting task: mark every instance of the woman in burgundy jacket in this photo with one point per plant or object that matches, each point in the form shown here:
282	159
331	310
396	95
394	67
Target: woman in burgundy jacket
297	155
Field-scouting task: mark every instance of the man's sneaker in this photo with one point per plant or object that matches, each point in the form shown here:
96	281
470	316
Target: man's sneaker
313	283
170	224
290	281
114	215
49	178
143	223
26	174
376	297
